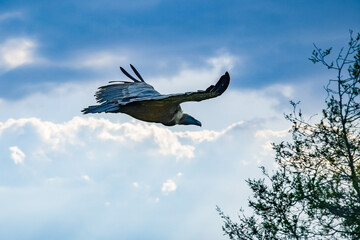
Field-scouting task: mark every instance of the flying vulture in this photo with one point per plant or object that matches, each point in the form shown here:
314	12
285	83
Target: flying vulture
141	101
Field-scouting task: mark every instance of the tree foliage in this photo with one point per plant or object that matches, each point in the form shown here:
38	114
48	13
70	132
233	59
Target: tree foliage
315	193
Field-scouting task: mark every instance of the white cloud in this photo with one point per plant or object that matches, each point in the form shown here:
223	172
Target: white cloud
86	178
11	15
268	149
59	135
135	184
17	155
207	135
15	52
170	145
97	60
167	140
168	186
285	90
56	135
269	133
224	60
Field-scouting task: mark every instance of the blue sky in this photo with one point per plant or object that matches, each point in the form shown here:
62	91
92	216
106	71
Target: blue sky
107	176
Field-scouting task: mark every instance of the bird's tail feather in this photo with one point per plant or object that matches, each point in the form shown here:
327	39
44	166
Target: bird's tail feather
107	107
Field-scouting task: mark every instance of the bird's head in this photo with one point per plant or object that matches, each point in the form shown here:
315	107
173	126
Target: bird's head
186	119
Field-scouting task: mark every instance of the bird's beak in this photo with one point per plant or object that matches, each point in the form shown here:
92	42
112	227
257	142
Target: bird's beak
196	122
192	121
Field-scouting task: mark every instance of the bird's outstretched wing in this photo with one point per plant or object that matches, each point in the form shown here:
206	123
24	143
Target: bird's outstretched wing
110	97
126	92
141	91
121	93
211	92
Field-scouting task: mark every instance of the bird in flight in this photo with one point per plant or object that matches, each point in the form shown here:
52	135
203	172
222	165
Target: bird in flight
141	101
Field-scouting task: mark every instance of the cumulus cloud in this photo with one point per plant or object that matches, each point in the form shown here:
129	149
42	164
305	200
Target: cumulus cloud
59	135
56	135
15	52
17	155
168	186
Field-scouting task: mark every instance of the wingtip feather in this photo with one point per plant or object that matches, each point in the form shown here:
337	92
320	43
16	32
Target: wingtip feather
222	84
136	72
128	75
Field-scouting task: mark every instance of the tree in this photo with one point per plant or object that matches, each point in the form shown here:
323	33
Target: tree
315	192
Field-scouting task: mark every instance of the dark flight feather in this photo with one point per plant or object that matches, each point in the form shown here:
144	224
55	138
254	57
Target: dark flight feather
128	75
137	73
